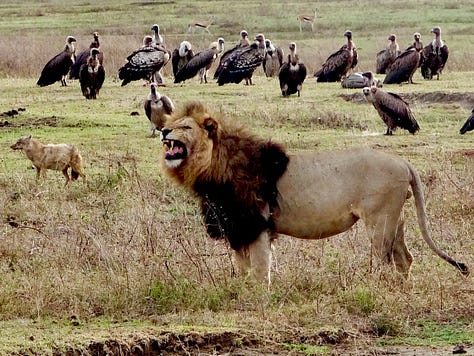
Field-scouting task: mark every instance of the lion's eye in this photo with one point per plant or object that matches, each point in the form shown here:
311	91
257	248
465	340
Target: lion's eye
187	127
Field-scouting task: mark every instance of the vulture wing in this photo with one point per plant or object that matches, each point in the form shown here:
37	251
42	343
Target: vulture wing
403	67
142	63
81	59
191	69
56	67
392	107
468	125
335	66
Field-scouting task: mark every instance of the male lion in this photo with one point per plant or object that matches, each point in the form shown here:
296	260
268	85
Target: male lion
251	190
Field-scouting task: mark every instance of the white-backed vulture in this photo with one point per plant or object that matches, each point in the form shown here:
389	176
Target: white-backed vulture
339	63
273	59
243	42
181	56
393	110
157	37
58	67
435	56
158	42
386	56
199	61
157	109
144	62
82	57
403	67
292	73
92	75
360	80
468	125
242	63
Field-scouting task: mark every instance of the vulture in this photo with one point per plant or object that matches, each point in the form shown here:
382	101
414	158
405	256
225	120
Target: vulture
417	42
92	75
219	47
393	110
58	67
159	43
360	80
468	125
157	109
273	59
181	56
144	62
200	61
403	68
243	42
242	63
157	37
434	56
81	58
292	73
339	63
386	56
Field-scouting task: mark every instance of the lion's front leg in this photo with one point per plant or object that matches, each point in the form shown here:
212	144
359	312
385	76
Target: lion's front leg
260	252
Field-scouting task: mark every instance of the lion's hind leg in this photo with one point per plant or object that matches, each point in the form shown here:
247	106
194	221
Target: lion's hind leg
401	256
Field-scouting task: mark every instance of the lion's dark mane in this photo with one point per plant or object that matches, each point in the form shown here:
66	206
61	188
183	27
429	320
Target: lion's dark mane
233	209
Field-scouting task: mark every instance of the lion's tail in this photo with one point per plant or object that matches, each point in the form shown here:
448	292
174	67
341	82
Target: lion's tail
416	187
77	169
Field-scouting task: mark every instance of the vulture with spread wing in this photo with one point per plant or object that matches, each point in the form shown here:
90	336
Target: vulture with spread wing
393	110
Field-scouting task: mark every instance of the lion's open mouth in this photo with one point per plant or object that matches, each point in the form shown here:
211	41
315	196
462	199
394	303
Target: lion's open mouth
174	149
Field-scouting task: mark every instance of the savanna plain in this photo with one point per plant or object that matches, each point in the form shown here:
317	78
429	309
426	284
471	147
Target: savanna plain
120	263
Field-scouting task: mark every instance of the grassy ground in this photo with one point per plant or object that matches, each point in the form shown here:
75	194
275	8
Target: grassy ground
121	260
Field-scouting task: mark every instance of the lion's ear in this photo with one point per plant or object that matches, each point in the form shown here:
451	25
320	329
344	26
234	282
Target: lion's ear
211	127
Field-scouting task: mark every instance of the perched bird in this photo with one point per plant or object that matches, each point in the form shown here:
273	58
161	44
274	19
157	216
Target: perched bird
339	63
92	75
181	56
218	46
468	125
157	37
403	67
242	63
386	56
144	62
417	42
434	56
159	43
360	80
81	58
200	61
157	109
58	67
393	110
243	43
273	59
292	73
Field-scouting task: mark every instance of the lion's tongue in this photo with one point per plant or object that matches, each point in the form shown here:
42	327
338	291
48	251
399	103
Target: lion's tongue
175	150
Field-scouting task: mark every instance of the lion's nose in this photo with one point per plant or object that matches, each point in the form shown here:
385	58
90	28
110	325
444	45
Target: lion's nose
164	132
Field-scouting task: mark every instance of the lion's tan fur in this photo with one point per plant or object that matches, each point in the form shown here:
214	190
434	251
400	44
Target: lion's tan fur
57	157
321	194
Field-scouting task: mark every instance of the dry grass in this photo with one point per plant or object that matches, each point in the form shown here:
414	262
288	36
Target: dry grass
126	245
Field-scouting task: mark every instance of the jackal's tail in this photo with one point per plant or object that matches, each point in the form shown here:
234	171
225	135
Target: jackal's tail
76	165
